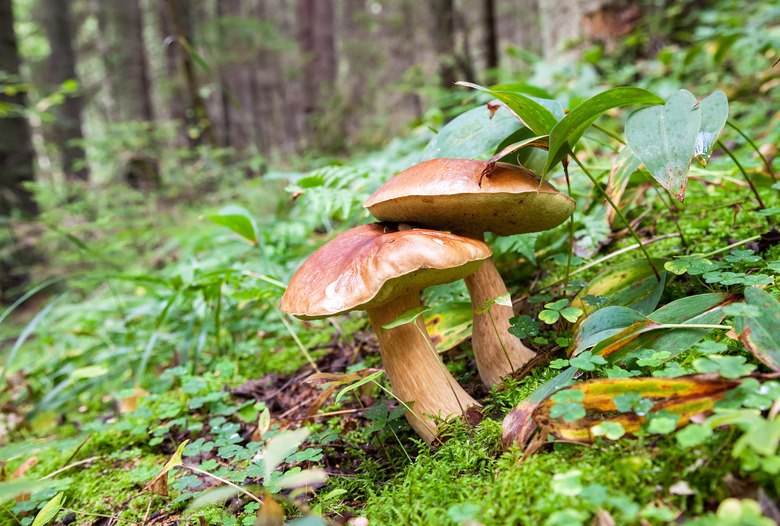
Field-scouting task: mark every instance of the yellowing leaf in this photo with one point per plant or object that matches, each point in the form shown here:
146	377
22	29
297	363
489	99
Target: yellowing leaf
159	484
685	396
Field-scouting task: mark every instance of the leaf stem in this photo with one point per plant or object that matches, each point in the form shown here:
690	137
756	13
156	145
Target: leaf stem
744	173
757	150
565	165
612	134
733	245
618	212
224	481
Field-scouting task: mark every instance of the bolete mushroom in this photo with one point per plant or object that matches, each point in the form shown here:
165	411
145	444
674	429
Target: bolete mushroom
445	194
382	270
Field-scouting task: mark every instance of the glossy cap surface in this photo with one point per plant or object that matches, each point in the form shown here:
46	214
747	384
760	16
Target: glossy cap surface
444	194
368	266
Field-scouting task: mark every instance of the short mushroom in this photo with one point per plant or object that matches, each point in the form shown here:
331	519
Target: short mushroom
382	270
445	194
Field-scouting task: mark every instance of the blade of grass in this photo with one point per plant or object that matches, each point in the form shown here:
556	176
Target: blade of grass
28	330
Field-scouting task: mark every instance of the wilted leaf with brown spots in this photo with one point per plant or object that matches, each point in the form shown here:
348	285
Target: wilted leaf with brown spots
159	484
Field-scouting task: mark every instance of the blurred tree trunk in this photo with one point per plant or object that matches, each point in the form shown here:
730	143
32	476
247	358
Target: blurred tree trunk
66	127
317	43
236	58
444	39
128	60
16	166
491	34
16	149
177	24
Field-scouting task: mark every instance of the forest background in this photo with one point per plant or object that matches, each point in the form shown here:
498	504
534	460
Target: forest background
143	143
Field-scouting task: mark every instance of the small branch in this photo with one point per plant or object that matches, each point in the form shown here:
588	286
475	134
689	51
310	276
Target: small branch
85	461
224	481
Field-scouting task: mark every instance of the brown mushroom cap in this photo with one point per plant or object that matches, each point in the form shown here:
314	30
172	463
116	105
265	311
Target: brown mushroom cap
444	194
367	266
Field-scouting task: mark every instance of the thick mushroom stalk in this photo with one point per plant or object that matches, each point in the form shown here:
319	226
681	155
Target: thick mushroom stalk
414	370
496	352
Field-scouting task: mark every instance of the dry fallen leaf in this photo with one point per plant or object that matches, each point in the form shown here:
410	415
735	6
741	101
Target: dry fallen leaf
159	484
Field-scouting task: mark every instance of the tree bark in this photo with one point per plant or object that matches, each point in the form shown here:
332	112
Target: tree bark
16	149
444	39
62	67
490	34
317	42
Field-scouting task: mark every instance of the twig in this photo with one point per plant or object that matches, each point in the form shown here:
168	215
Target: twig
85	461
224	481
77	450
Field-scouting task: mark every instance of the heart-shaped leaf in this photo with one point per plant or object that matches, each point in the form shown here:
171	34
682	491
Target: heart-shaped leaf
664	138
570	129
474	134
714	113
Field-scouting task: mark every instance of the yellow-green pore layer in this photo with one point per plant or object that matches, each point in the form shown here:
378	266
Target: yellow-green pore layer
445	194
370	265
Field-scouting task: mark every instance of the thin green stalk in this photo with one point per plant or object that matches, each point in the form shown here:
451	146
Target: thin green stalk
618	212
733	245
565	164
409	409
9	512
297	340
612	134
672	208
757	150
606	258
79	512
744	173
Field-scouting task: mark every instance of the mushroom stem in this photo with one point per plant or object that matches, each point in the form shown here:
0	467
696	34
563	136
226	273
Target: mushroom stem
497	352
414	370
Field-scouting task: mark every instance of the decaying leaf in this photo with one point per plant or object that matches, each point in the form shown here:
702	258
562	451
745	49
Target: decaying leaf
271	514
159	484
129	404
685	397
448	324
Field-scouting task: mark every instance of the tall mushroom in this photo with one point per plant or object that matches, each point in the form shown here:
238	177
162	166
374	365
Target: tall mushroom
382	270
445	194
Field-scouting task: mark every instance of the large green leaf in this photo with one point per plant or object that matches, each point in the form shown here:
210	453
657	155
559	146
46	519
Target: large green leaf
530	110
570	129
761	335
472	135
664	138
631	283
239	220
603	324
702	309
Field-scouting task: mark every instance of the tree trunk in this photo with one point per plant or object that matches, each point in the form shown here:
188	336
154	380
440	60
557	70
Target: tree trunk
129	61
62	67
16	149
444	39
180	28
490	37
317	42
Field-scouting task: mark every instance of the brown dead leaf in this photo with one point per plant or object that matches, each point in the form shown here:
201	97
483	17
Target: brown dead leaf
129	404
159	484
271	514
317	404
603	518
26	465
